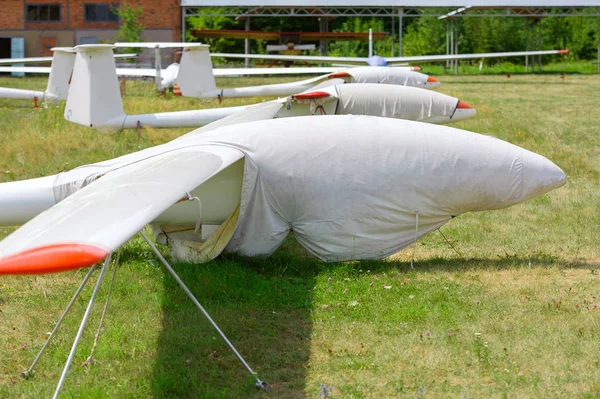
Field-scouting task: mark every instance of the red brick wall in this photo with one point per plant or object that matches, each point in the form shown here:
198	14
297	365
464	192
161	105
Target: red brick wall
12	14
77	15
63	24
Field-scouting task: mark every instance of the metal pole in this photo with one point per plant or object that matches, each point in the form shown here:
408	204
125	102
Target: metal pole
81	327
447	43
247	44
540	44
526	44
451	42
29	372
259	383
183	10
456	46
370	42
400	28
393	36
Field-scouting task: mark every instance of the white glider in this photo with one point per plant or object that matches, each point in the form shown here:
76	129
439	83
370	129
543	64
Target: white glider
350	187
195	78
58	80
94	99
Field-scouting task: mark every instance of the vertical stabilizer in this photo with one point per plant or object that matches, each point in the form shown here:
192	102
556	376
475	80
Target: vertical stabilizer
195	78
63	60
94	97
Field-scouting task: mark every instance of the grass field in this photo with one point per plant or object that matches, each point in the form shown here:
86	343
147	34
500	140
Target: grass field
511	313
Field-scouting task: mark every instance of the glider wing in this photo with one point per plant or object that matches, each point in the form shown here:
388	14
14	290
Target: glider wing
88	225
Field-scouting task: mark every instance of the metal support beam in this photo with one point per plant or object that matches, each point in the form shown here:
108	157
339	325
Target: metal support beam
539	23
400	29
526	45
393	37
247	44
447	43
456	46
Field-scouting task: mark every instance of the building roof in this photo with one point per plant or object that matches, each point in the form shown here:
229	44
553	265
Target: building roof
390	3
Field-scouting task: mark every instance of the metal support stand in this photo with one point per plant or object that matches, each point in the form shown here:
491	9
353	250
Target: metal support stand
259	383
30	371
81	327
90	359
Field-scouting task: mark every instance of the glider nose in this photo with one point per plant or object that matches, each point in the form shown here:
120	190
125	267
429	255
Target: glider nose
432	82
540	175
463	111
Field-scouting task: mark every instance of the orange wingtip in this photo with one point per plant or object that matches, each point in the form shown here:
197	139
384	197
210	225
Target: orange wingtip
562	52
338	75
312	95
415	68
463	105
52	259
431	79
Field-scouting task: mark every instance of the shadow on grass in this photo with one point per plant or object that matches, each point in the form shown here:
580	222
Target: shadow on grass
263	305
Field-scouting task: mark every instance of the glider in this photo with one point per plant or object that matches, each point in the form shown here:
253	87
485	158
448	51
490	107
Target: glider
94	99
58	80
195	78
350	187
376	60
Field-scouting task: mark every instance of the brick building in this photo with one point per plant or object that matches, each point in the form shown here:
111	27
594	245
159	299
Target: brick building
44	24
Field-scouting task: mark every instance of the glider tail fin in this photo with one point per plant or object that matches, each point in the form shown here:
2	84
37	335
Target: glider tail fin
94	97
196	78
63	60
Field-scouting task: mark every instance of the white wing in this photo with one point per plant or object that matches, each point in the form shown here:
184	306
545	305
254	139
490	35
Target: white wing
431	58
30	60
424	58
223	72
25	69
312	58
91	223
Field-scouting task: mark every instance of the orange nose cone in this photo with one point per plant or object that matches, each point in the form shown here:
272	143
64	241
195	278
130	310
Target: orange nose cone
463	105
432	80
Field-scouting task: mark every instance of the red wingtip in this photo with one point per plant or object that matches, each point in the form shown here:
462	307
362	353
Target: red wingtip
338	75
432	80
311	95
463	105
52	259
416	68
562	52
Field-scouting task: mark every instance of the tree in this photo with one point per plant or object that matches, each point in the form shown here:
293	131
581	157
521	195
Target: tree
130	28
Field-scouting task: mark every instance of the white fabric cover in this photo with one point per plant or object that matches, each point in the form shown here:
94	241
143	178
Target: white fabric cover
348	186
393	101
389	75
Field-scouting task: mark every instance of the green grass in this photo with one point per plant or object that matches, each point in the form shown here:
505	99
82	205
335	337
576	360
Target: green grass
512	314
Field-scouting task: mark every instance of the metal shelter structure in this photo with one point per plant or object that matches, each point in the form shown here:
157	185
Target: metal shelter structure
397	10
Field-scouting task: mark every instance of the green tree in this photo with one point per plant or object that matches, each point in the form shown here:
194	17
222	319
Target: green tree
130	28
